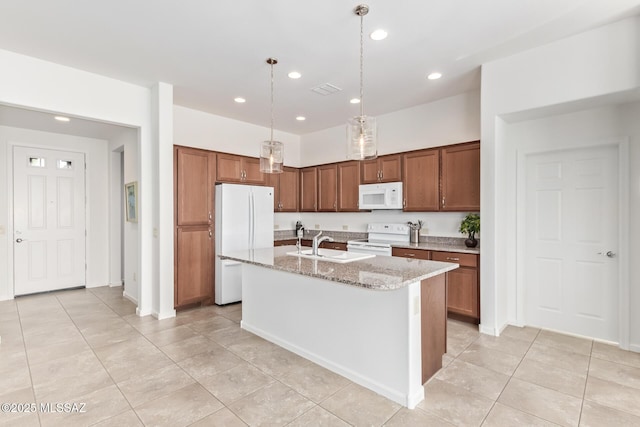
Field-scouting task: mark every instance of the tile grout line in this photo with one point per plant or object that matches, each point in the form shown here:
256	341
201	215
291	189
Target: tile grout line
26	356
586	381
99	360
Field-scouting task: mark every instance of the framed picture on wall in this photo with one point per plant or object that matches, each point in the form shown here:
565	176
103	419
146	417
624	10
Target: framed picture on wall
131	201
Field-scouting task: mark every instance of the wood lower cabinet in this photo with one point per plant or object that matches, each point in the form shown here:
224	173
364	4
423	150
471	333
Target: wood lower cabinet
348	186
421	179
239	169
460	177
411	253
463	285
286	242
383	169
308	189
195	265
334	245
285	189
194	176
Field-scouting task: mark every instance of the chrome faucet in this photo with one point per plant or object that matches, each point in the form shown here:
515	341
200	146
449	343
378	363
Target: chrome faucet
316	242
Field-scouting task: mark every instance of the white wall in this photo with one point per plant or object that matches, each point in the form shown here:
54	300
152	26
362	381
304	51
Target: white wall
435	223
572	73
97	212
36	84
126	142
443	122
193	128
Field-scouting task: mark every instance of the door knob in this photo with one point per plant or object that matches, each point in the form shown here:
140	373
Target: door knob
18	240
608	253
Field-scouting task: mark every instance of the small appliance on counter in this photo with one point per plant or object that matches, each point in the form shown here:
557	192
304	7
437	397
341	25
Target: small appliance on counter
299	230
381	237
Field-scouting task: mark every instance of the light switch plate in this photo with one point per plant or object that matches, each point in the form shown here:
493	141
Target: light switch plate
345	227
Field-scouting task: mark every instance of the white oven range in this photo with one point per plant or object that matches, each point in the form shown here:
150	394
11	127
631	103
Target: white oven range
381	237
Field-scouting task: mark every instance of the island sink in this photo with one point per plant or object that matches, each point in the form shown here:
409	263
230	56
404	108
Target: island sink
331	255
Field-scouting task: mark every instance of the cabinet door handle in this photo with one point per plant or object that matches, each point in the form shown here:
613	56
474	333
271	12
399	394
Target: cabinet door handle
210	234
334	205
443	204
404	203
410	254
453	259
381	175
210	218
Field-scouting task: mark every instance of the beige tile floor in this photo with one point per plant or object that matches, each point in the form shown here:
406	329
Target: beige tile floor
201	369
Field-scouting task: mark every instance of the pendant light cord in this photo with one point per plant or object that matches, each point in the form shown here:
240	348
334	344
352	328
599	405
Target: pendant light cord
271	102
361	66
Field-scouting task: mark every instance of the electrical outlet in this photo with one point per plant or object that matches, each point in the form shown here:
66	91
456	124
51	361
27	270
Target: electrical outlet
155	232
416	305
134	277
317	226
345	227
2	231
276	226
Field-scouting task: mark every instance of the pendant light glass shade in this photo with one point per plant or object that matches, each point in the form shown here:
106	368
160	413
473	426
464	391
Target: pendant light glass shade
271	152
271	157
362	138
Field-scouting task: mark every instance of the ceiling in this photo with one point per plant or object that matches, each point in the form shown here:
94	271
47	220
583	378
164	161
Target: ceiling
214	51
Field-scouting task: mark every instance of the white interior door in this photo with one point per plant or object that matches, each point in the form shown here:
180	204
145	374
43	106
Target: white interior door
571	277
48	220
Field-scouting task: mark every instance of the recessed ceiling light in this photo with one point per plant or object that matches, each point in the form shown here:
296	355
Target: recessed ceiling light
240	100
379	34
355	101
62	118
434	76
301	118
294	75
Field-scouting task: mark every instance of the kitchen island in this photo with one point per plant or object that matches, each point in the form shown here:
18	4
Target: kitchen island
381	322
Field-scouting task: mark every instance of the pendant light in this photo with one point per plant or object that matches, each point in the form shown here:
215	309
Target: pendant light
361	130
271	152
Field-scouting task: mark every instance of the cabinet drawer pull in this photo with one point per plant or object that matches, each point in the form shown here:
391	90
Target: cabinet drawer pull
410	254
453	259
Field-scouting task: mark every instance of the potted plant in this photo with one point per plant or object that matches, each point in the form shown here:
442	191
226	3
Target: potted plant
470	225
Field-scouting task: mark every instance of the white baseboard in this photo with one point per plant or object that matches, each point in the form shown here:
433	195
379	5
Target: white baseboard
129	297
634	347
164	315
6	297
116	284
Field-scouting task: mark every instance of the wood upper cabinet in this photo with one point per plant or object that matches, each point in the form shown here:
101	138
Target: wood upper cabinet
285	189
194	176
328	188
463	289
383	169
308	189
234	168
460	177
348	186
421	179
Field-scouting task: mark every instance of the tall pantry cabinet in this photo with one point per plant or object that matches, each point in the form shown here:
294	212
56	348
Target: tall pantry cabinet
194	184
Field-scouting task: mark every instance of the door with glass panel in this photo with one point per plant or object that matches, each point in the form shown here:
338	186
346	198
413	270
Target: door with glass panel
48	220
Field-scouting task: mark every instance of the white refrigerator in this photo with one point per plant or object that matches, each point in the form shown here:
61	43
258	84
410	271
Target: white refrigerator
244	220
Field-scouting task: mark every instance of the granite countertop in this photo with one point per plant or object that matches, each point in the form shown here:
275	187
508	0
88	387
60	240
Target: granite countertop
378	273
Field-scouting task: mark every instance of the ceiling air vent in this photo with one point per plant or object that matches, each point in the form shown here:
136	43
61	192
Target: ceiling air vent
325	89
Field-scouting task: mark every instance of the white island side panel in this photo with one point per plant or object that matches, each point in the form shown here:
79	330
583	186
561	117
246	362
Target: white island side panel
371	337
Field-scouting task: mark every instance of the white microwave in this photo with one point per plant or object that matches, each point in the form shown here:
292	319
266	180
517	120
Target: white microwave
380	196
